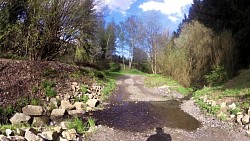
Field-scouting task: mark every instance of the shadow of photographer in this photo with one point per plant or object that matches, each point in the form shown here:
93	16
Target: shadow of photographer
159	136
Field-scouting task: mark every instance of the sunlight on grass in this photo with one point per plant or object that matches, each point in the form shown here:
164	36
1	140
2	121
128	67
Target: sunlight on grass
156	80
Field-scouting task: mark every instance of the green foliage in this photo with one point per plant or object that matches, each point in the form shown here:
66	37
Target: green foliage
22	102
114	67
235	111
50	73
84	98
131	71
78	124
197	49
217	76
50	92
6	113
34	101
84	88
99	74
208	107
91	122
48	87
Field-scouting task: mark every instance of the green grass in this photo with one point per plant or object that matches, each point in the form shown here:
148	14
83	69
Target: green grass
236	89
3	127
132	71
156	80
77	124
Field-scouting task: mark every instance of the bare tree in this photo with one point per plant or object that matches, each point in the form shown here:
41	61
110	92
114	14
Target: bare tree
132	35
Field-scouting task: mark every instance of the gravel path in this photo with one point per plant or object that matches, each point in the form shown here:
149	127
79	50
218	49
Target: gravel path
130	88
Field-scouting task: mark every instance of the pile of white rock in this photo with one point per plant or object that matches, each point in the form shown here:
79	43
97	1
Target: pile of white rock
241	118
48	122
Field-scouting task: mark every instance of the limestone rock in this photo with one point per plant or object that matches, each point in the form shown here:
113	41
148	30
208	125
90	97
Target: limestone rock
32	110
239	117
61	139
79	105
20	132
8	132
16	138
75	112
245	119
58	129
31	136
3	138
65	104
41	121
57	113
19	118
49	135
69	134
92	102
64	125
232	106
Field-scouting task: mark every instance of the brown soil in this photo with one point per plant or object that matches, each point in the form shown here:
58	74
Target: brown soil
18	79
120	118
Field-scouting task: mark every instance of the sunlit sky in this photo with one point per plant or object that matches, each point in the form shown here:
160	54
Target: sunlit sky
171	11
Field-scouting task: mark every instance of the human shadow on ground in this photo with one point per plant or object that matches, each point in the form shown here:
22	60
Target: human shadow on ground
159	136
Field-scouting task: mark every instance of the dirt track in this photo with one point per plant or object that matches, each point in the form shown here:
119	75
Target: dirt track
131	108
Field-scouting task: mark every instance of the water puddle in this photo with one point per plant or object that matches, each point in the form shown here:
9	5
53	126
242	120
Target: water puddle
141	116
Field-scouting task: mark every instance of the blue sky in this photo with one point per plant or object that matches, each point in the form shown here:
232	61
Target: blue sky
171	11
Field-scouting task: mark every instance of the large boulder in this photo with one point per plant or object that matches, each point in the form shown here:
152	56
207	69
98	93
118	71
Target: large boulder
19	118
65	104
92	102
41	121
57	113
32	110
69	134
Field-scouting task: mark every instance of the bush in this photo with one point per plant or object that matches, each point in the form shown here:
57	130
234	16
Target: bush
114	67
217	76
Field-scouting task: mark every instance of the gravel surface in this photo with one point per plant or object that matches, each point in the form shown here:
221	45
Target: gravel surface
130	88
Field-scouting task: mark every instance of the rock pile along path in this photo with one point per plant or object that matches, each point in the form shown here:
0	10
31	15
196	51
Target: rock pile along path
138	113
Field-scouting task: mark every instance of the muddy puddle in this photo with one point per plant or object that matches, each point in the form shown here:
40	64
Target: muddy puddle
141	116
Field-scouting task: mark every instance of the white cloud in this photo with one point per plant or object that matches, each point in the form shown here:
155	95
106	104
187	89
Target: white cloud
119	5
172	8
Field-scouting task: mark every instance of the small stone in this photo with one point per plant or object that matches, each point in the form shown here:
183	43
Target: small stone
41	121
65	104
232	117
69	134
248	132
248	112
223	105
57	113
48	135
92	102
245	119
67	97
19	118
32	110
89	109
58	129
74	83
64	125
8	132
75	112
232	106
